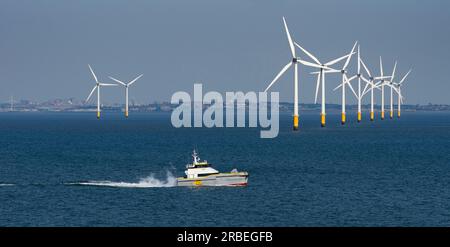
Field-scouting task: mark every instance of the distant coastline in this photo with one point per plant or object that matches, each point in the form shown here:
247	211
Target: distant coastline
71	105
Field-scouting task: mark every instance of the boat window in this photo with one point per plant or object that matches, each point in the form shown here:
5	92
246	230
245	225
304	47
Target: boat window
202	165
204	175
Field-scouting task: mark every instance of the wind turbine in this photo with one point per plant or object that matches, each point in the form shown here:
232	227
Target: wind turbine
97	86
360	96
346	81
371	82
321	77
399	92
390	84
382	83
11	105
127	85
295	60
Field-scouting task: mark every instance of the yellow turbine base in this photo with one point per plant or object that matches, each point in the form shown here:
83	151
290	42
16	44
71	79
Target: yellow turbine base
126	113
295	122
343	118
382	115
372	116
359	117
322	120
98	114
398	114
391	114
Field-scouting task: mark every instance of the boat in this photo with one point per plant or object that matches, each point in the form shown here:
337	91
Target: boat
201	173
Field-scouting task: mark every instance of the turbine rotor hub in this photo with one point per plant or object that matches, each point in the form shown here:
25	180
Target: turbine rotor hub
294	60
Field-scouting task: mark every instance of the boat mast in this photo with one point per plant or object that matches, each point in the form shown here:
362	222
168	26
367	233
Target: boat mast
195	157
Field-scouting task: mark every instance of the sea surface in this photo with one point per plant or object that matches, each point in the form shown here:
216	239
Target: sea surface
70	169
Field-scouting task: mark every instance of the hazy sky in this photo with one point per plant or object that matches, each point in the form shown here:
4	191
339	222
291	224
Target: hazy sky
230	45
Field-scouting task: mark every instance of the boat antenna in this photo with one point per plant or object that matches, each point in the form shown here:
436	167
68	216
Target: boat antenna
195	157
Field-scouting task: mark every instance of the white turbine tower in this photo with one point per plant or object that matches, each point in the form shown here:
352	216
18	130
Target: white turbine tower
382	84
127	85
294	61
359	97
97	86
321	77
391	86
346	81
397	87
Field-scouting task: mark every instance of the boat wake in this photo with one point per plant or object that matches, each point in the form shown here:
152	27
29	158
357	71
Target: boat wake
6	184
147	182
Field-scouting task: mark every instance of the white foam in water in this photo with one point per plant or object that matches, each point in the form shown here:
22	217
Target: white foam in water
6	184
148	182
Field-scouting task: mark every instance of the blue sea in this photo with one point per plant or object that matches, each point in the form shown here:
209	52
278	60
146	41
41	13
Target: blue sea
70	169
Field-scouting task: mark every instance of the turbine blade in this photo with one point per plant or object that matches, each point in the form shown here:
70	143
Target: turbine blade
377	84
278	75
134	80
366	86
309	54
349	57
366	80
393	71
306	63
353	90
338	59
351	78
382	77
400	95
396	90
365	67
93	74
336	88
114	79
330	70
325	71
347	81
107	84
381	67
404	77
91	93
359	62
291	44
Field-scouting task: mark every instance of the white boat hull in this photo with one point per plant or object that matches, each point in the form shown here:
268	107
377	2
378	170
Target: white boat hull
221	179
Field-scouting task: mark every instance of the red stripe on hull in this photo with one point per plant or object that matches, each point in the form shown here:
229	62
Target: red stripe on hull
238	184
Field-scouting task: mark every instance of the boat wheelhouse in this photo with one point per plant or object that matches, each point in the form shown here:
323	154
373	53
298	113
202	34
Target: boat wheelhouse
201	173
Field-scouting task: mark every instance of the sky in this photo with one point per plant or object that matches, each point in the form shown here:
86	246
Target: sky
232	45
